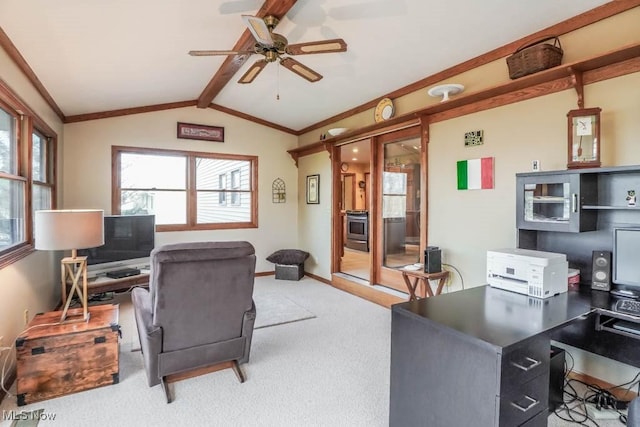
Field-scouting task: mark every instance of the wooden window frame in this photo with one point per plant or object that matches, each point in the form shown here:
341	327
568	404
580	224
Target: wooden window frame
191	207
26	120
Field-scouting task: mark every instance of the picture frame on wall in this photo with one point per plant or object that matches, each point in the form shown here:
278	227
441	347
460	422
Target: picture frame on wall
200	132
313	189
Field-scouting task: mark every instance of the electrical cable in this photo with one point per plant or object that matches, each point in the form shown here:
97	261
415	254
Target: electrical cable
457	271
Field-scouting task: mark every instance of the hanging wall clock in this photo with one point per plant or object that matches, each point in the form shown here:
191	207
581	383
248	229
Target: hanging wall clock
583	138
384	110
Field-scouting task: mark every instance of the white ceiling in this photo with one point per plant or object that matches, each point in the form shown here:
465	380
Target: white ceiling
95	56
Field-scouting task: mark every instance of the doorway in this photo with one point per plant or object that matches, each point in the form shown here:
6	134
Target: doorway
355	248
401	205
384	229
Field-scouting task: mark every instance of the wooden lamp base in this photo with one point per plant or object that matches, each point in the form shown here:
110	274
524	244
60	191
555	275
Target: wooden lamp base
74	270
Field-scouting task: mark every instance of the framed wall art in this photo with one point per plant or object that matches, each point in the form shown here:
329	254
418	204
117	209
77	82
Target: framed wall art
201	132
313	189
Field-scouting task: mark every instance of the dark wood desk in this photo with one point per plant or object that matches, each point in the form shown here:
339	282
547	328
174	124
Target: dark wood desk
481	356
422	278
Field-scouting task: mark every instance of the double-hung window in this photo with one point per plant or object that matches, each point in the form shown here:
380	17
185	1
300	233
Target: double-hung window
27	174
42	177
13	185
186	190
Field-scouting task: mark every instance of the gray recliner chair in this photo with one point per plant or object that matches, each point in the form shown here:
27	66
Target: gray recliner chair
633	417
198	310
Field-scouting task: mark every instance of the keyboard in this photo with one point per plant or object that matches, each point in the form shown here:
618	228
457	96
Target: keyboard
628	306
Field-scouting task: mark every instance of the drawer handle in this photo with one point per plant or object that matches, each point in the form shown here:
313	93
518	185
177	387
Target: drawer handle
531	405
533	364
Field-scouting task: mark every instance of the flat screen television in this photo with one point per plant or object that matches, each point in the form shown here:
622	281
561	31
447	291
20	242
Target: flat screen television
128	241
626	247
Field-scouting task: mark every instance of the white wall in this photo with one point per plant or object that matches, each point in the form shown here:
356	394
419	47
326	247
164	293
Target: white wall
32	283
465	223
87	182
314	230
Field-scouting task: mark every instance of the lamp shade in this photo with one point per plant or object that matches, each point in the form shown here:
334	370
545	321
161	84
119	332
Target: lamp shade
69	229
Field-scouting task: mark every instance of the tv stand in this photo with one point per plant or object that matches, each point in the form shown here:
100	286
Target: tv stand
102	284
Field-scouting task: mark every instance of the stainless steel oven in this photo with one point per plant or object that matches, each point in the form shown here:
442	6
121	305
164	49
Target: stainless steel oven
358	230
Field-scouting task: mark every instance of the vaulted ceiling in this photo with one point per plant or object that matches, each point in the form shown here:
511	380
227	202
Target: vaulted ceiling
98	56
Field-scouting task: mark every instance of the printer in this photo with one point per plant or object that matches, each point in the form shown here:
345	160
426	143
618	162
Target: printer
535	273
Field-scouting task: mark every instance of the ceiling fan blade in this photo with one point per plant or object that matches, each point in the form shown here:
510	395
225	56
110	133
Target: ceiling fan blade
219	52
259	29
253	71
301	70
324	46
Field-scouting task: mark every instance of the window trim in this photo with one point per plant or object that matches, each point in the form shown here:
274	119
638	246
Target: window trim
26	120
191	208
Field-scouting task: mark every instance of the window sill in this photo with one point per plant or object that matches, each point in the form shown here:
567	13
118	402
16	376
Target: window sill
15	254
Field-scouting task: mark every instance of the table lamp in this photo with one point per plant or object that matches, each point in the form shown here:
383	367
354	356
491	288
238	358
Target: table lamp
71	229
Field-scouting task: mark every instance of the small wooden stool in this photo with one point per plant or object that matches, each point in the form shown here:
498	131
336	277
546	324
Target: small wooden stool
423	278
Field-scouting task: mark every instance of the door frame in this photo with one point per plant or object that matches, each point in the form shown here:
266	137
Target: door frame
379	274
384	275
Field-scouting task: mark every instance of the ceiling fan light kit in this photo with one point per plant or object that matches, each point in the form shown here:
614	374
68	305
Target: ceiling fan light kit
445	90
274	46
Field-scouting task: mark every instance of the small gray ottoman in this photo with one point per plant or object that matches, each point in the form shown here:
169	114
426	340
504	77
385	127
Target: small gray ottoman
289	263
289	272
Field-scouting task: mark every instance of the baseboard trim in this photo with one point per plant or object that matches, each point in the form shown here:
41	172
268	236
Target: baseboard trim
365	291
619	393
265	273
318	278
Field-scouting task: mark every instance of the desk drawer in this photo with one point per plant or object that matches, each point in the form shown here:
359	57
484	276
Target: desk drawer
524	364
524	402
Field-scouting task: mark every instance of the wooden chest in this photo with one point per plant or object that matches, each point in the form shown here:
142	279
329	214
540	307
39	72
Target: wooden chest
56	359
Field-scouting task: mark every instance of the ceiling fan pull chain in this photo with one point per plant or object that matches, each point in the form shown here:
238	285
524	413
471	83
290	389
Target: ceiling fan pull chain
278	81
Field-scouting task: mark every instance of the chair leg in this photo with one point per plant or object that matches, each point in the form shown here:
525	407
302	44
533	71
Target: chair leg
238	371
165	388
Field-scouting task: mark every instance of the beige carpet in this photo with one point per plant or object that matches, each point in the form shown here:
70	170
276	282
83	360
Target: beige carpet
273	308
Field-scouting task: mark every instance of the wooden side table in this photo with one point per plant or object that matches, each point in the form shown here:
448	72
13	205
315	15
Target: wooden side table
55	359
413	278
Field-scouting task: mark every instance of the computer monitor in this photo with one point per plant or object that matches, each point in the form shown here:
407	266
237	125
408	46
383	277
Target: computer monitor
626	248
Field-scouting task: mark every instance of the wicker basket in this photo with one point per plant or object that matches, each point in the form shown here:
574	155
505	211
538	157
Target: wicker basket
535	56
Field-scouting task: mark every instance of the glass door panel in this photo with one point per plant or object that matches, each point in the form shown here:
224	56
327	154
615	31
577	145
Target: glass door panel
401	203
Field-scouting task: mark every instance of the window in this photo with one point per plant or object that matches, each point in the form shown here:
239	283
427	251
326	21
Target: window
186	190
235	185
42	179
222	185
12	184
27	174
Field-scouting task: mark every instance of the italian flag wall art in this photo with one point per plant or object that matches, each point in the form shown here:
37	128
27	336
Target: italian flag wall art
475	174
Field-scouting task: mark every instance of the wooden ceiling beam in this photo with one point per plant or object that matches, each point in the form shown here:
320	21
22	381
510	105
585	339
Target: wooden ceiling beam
232	64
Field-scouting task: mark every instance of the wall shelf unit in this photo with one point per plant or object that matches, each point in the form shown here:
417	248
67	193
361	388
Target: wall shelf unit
601	199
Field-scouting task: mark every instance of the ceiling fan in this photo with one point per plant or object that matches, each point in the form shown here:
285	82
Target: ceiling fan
274	46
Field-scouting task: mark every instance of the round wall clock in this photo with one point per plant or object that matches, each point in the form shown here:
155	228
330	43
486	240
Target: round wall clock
344	166
384	110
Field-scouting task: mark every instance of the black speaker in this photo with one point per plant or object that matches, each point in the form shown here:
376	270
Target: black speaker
601	270
432	260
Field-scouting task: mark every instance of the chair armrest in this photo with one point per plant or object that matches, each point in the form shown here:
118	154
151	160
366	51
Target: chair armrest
149	334
248	320
633	418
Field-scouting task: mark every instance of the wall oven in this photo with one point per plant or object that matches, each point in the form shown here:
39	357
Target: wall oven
358	230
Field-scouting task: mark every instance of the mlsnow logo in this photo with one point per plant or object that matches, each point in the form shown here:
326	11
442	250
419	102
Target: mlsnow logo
38	415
